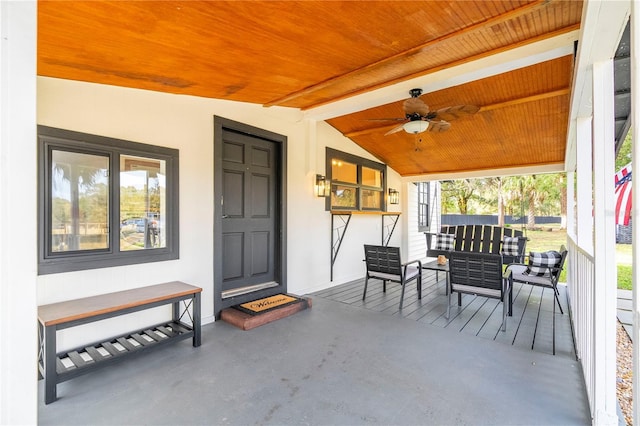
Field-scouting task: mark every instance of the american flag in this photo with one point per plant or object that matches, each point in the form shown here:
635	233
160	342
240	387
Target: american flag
623	195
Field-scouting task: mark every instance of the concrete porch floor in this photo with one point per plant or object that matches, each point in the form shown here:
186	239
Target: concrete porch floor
334	364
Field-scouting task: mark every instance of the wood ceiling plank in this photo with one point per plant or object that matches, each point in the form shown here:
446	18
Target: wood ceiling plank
500	138
355	87
264	50
484	108
401	56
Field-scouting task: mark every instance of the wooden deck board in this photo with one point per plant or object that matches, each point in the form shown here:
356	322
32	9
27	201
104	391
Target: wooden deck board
529	328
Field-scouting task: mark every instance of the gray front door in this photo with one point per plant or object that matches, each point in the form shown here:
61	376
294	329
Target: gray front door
249	201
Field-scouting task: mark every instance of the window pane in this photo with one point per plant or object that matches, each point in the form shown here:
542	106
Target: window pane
371	199
143	203
343	171
79	201
371	177
343	196
423	206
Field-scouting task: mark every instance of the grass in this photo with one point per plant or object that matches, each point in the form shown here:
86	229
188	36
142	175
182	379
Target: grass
551	237
624	259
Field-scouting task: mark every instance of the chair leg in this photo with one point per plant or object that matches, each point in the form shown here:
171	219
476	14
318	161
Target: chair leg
511	300
448	304
402	294
366	281
459	299
419	285
384	286
504	315
555	293
554	326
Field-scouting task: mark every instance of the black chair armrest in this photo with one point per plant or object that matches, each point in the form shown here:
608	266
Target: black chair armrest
508	274
419	262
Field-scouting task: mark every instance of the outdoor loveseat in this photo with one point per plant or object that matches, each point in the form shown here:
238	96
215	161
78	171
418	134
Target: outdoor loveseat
510	243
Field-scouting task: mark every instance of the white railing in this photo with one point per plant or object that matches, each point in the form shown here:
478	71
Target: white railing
581	287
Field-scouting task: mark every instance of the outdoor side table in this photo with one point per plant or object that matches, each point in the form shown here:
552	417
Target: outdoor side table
433	265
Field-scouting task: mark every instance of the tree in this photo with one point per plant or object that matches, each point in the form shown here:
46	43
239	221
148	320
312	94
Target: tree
623	156
461	192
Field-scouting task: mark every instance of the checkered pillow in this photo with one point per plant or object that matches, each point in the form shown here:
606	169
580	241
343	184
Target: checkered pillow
444	242
539	263
510	246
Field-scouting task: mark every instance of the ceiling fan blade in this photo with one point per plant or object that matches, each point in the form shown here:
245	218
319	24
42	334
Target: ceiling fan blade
395	129
415	106
453	112
386	119
438	126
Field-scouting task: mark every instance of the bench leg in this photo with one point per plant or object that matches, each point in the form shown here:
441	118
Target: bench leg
49	365
197	332
196	317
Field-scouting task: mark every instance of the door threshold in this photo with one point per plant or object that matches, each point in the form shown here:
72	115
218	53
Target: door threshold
249	289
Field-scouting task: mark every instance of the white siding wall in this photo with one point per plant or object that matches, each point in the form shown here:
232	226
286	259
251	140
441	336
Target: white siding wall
186	123
416	241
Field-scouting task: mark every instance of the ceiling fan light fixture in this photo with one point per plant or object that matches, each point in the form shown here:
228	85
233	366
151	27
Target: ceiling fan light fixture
416	126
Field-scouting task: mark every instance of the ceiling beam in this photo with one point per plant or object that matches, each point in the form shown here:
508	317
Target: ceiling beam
486	173
505	104
419	49
493	64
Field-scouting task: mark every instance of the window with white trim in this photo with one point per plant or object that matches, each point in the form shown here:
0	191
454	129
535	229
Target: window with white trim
423	206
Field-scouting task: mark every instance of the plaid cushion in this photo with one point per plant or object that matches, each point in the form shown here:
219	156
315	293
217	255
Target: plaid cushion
510	246
538	263
444	241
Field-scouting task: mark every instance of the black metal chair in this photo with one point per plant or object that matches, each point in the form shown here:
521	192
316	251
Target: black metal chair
480	274
384	264
549	280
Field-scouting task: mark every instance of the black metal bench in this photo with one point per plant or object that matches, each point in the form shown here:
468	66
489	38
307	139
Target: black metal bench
57	367
479	239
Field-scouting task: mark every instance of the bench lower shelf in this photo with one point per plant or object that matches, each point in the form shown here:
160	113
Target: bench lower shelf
79	361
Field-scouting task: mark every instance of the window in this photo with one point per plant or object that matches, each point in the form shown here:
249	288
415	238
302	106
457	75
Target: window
423	206
356	183
104	202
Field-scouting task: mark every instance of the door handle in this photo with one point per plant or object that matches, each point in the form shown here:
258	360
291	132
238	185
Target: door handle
225	216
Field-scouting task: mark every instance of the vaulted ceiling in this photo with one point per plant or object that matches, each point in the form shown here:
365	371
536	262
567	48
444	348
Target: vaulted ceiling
350	63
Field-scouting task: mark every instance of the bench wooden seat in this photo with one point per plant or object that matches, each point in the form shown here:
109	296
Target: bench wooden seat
479	239
57	367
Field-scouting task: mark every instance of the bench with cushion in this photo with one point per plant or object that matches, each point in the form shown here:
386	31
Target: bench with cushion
510	243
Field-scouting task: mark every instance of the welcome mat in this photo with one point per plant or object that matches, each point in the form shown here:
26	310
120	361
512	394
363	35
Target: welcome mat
262	311
267	304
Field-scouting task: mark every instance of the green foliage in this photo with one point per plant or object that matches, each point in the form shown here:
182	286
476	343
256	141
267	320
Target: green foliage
625	281
533	195
552	238
458	195
624	154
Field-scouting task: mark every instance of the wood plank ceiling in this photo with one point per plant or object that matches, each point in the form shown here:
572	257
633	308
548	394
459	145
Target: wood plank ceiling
338	60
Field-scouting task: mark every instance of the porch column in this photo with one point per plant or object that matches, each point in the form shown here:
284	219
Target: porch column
605	292
571	203
18	249
584	166
635	212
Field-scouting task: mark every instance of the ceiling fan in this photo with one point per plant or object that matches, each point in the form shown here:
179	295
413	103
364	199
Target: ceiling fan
418	118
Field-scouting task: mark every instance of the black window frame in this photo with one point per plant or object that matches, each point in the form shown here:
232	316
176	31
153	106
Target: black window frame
423	207
51	138
360	162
